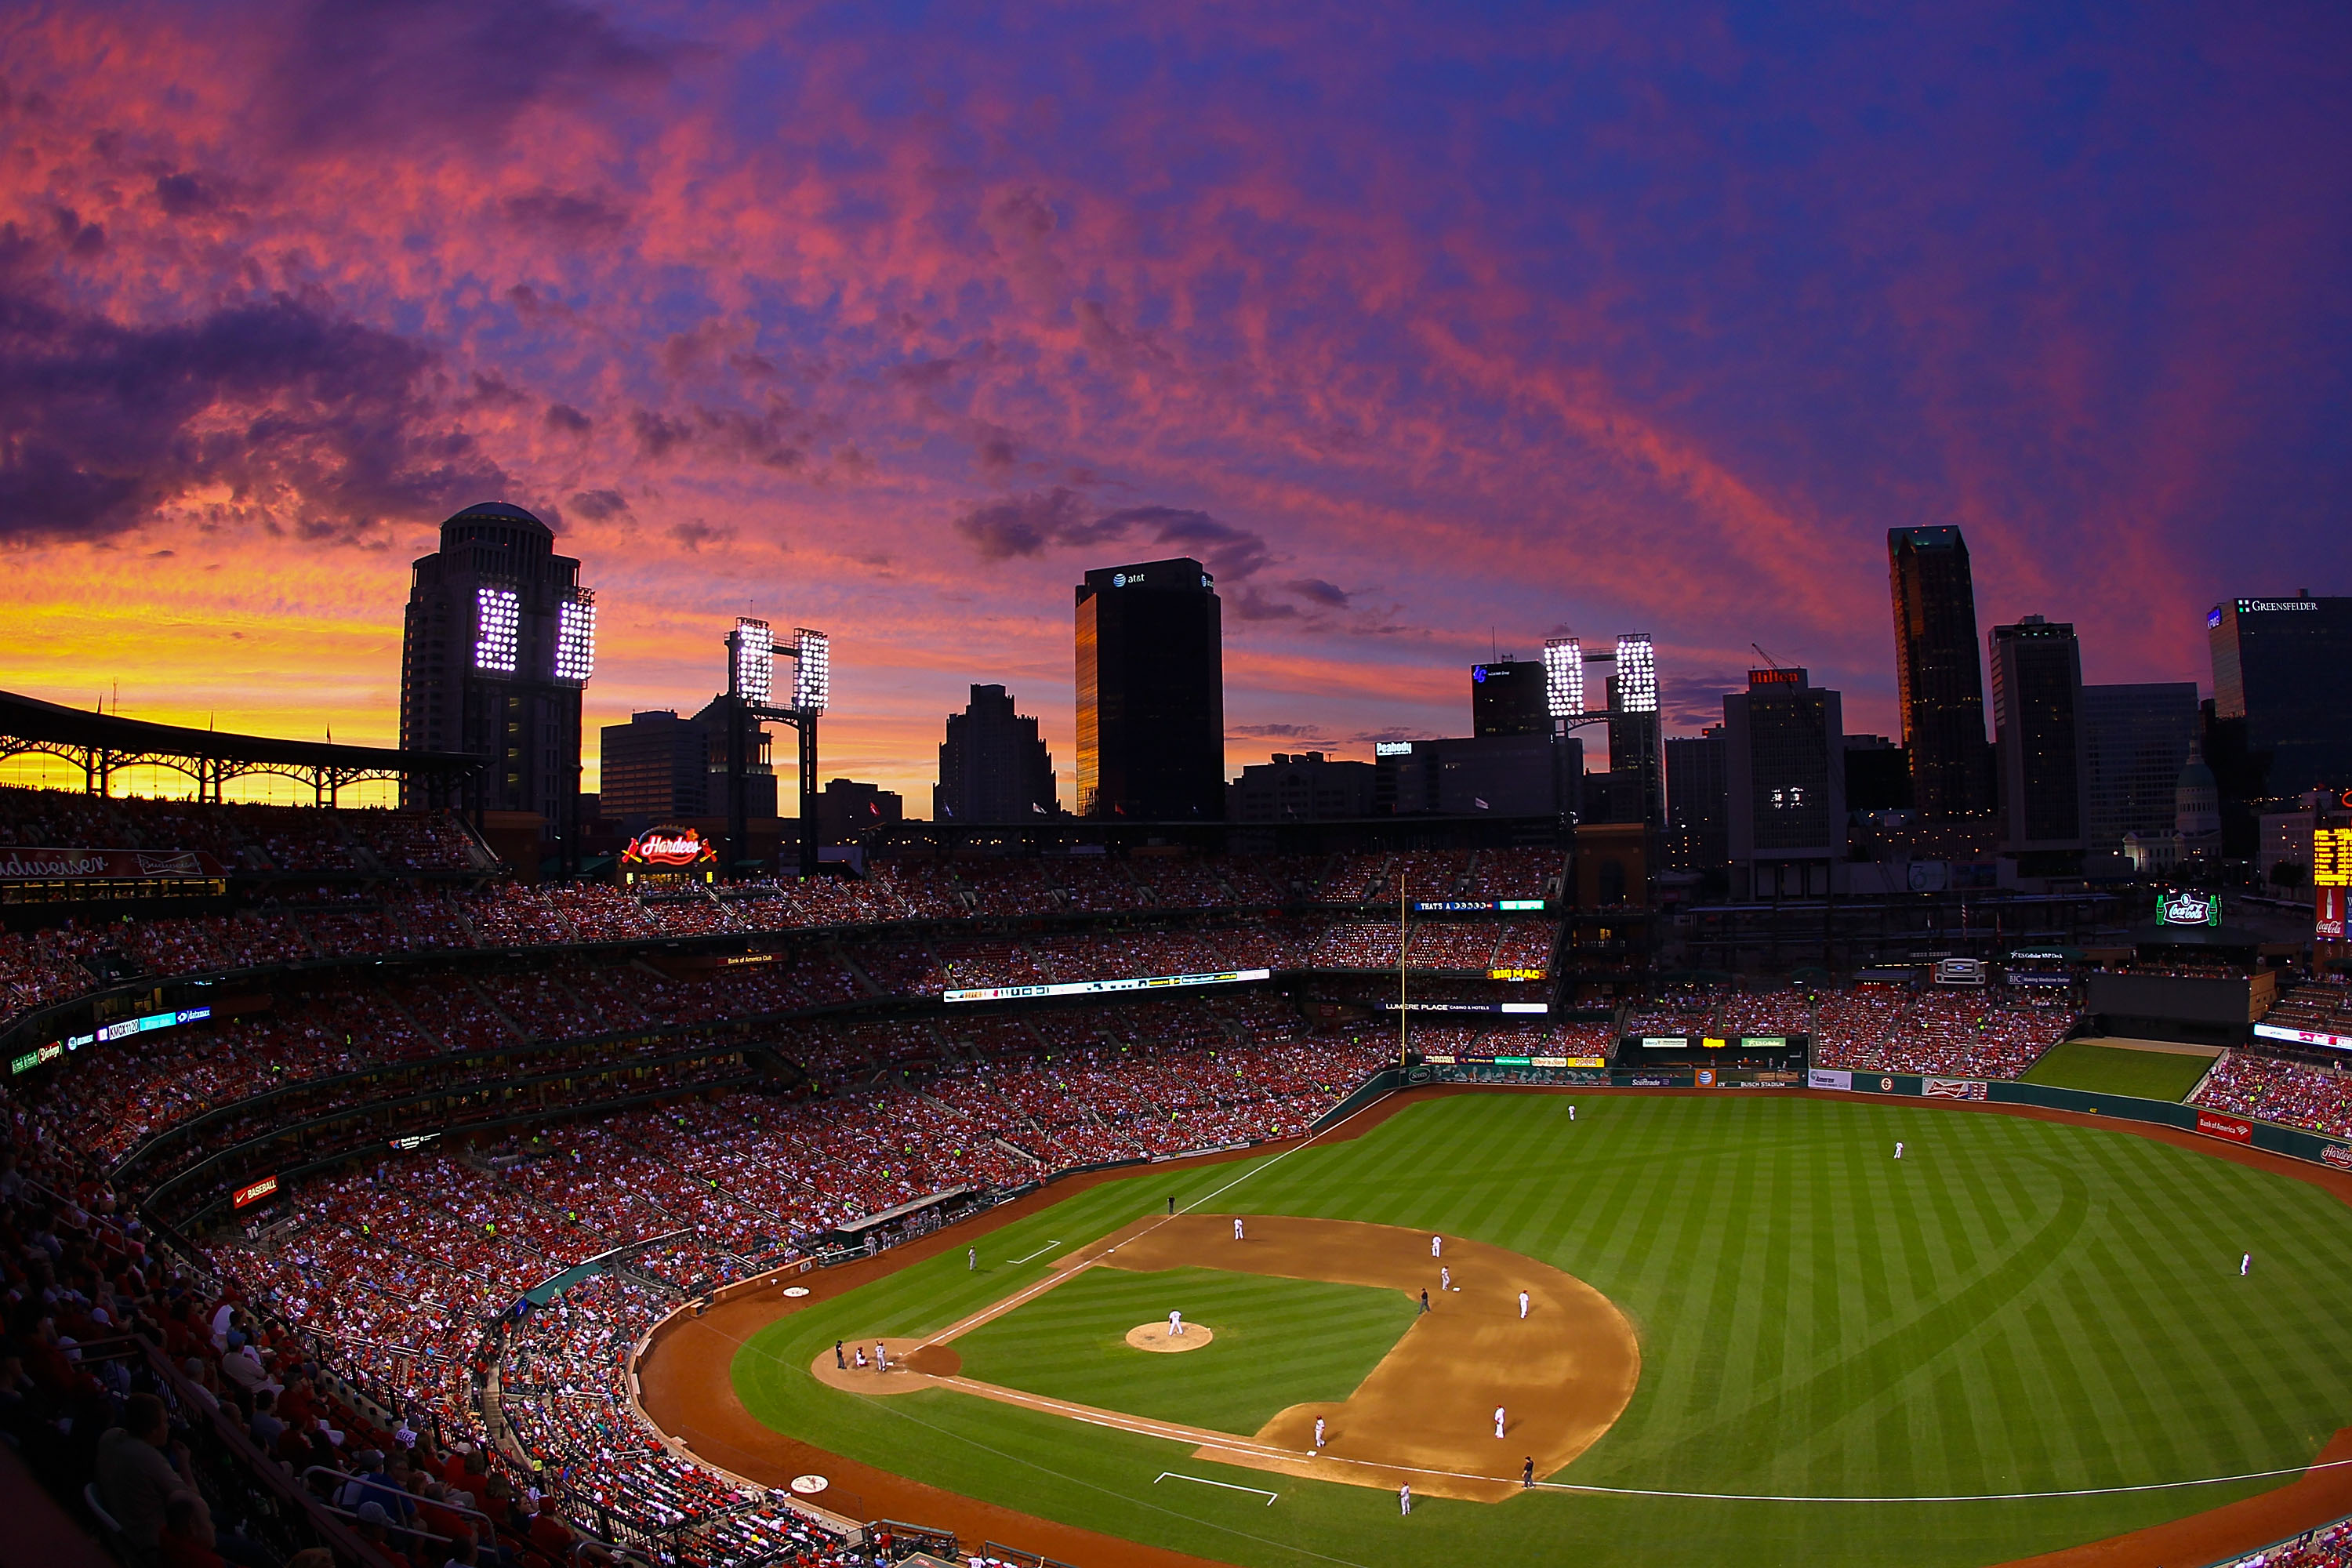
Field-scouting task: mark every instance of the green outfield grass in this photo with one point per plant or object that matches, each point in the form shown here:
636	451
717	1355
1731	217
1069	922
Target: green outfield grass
1278	1342
2015	1306
2110	1069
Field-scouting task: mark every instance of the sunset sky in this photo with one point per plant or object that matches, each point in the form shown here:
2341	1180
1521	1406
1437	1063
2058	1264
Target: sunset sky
1421	327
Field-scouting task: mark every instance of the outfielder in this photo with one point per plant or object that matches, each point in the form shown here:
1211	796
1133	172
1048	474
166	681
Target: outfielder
1898	1149
2245	1265
971	1259
1404	1498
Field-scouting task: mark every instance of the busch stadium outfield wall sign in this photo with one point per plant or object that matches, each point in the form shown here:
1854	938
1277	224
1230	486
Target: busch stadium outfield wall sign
2237	1130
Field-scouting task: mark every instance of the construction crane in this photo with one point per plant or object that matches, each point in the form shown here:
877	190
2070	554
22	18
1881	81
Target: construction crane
1766	657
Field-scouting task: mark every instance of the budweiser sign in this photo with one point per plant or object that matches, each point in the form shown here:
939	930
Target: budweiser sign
22	863
2235	1129
669	846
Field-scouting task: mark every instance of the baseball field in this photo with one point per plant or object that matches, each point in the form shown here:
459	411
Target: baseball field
1752	1334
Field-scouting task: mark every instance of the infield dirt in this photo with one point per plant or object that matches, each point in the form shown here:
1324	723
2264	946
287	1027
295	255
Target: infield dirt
688	1389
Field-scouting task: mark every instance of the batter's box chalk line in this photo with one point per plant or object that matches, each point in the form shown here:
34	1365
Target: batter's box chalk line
1178	1476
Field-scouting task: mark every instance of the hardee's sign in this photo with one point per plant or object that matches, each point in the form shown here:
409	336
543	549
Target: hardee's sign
671	847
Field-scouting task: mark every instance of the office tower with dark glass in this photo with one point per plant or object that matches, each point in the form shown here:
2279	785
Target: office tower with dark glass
1940	685
1698	811
2037	685
994	765
1506	698
2283	668
653	770
2135	740
499	639
1152	693
1784	745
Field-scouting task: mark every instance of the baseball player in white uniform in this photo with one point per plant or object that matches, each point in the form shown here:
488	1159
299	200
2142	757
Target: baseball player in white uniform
1319	1431
1436	1246
1498	1421
1523	1304
1898	1149
1444	1276
1404	1498
2245	1265
881	1356
1175	1325
1237	1227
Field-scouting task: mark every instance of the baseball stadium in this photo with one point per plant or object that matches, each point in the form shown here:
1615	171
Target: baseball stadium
1098	1196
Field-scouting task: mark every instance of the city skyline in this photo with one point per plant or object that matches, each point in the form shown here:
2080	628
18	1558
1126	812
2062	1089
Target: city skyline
896	334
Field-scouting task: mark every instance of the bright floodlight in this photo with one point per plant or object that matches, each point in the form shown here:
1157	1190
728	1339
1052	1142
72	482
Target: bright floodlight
575	639
1637	674
755	660
812	671
1564	677
497	629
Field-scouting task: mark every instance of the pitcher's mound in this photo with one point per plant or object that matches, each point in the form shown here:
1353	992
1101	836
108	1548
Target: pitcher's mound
1156	1337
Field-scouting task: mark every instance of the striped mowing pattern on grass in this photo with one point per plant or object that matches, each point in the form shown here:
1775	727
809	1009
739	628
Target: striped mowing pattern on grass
2015	1306
1279	1343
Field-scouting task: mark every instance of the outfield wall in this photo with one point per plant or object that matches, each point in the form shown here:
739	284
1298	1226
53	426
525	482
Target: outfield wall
2269	1137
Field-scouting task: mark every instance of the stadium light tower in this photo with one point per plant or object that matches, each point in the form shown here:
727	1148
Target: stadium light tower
751	682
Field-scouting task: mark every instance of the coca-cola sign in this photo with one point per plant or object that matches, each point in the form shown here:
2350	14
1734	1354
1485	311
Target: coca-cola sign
669	846
43	863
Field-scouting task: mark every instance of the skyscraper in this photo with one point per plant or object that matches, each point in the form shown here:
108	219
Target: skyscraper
1941	685
2037	685
1506	698
2135	740
655	769
2283	666
1697	801
499	640
994	765
1152	693
1784	742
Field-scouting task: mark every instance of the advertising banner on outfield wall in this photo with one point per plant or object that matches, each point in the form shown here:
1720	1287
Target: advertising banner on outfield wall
1952	1089
2213	1125
1828	1077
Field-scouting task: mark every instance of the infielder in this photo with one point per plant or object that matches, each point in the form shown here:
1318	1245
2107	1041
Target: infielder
1404	1498
1444	1276
1523	1306
1237	1227
1436	1246
1498	1421
1175	1325
1319	1431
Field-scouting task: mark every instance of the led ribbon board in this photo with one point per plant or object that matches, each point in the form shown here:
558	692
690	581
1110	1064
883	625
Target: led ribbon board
1098	987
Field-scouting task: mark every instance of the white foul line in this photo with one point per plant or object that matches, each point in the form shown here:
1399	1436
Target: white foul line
1039	1253
1261	1491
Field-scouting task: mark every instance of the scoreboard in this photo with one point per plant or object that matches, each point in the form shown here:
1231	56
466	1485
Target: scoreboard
2331	856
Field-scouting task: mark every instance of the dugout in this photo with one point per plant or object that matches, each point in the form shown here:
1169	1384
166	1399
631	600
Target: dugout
916	1217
